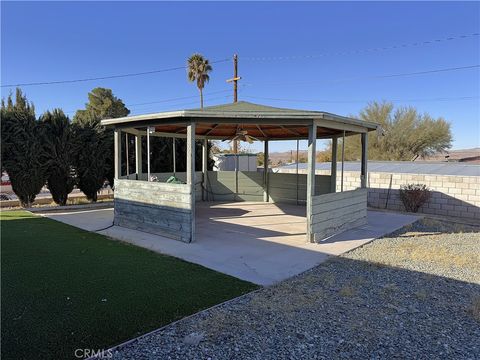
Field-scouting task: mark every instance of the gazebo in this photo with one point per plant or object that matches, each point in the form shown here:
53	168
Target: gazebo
145	202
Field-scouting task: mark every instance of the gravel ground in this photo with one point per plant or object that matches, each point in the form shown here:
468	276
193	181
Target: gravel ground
413	294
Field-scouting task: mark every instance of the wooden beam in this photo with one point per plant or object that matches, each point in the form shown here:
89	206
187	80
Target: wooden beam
117	153
340	126
167	134
132	131
260	129
191	174
210	131
333	171
222	137
312	142
215	120
296	133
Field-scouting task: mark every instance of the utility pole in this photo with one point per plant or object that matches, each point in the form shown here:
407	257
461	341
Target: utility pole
235	92
235	78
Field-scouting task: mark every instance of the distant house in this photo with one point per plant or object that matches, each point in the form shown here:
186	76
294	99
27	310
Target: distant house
471	156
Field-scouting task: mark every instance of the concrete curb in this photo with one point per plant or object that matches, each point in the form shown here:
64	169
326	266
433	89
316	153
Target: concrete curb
99	205
46	200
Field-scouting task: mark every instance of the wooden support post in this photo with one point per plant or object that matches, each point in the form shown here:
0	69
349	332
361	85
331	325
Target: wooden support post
363	176
148	153
237	164
312	142
333	171
205	169
343	159
138	155
117	153
126	155
296	169
174	152
191	173
266	192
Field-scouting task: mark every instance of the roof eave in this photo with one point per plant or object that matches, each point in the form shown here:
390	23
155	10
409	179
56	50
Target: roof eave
307	117
351	121
127	119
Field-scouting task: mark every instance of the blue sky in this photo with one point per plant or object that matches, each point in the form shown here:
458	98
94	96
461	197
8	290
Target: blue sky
62	41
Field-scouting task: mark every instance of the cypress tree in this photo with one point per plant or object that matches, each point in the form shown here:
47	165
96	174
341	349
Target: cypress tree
22	151
57	141
90	149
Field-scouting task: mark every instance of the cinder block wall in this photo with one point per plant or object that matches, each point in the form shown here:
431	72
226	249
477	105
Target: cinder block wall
451	195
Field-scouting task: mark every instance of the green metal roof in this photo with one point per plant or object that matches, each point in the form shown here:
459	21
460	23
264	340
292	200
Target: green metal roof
245	106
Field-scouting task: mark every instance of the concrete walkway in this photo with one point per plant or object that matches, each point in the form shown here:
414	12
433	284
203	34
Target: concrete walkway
259	242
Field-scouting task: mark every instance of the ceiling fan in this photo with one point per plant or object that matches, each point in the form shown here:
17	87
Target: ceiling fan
242	135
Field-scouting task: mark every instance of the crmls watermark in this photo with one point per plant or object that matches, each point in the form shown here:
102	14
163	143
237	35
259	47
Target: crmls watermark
96	353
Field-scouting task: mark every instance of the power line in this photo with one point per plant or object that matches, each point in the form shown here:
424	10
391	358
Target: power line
172	99
458	37
106	77
358	51
363	101
178	98
375	76
190	103
165	100
426	72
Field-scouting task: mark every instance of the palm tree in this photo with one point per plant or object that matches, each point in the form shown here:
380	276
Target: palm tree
198	69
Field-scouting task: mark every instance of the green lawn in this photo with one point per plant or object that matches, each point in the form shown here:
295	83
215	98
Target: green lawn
64	289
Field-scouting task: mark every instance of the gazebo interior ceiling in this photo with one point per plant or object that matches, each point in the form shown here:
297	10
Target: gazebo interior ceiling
261	132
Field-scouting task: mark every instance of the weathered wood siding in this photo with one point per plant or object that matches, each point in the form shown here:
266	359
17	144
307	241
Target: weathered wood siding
283	187
335	212
162	177
154	207
221	186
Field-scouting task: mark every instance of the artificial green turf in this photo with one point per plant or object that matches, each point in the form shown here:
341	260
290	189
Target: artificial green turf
64	289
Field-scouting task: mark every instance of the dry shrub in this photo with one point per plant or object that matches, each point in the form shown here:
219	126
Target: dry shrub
414	196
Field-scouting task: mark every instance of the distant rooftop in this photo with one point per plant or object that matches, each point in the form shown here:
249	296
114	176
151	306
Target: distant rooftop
407	167
461	155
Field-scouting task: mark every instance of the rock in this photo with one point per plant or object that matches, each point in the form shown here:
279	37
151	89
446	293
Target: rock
193	339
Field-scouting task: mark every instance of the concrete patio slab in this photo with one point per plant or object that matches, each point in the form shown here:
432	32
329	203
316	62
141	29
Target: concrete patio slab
259	242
